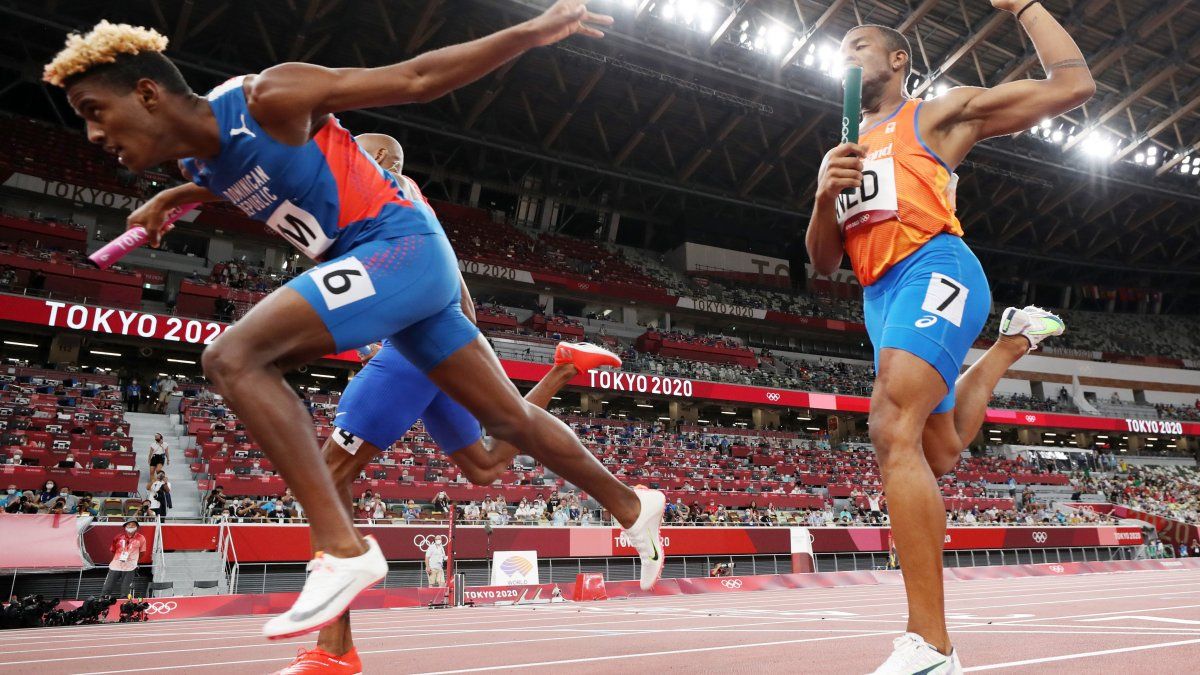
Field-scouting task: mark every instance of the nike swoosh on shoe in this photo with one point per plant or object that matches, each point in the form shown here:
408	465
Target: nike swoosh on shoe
930	669
301	616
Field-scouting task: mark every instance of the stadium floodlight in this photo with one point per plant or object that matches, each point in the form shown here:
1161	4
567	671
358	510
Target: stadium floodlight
184	361
1057	136
1140	158
1196	170
1187	160
323	376
668	10
14	343
777	39
706	15
97	352
808	59
941	89
1098	146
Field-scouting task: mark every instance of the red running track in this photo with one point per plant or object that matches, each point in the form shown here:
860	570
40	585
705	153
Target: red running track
1128	621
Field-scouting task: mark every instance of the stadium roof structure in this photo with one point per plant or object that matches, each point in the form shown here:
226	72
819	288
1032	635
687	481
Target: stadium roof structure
705	120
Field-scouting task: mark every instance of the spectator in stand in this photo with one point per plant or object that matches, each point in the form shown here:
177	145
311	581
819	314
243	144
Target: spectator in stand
48	493
10	495
16	460
68	463
160	454
133	395
247	510
127	547
159	490
166	386
441	502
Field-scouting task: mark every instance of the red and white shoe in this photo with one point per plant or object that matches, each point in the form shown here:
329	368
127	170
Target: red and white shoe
331	586
318	661
585	356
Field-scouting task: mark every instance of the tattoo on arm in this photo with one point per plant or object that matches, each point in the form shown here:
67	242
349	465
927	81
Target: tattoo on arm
1069	63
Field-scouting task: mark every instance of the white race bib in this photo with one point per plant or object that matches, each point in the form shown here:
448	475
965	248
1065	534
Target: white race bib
874	201
300	228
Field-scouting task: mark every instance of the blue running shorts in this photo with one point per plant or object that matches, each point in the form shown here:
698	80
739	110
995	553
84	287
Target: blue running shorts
383	401
932	304
406	289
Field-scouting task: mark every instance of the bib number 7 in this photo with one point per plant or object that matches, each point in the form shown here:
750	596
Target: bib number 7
946	298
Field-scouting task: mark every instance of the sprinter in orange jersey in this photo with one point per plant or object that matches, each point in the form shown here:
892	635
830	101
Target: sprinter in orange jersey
925	294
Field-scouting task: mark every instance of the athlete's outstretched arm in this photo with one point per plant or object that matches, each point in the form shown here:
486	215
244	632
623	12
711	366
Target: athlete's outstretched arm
1015	106
302	86
153	213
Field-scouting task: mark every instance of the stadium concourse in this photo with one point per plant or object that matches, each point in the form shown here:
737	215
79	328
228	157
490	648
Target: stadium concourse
656	193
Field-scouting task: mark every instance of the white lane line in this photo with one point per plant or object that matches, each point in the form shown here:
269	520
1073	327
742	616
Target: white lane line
1080	655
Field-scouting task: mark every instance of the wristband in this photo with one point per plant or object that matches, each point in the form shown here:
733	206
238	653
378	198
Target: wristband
1029	4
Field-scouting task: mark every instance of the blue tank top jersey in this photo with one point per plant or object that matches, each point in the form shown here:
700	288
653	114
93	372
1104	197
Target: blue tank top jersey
325	197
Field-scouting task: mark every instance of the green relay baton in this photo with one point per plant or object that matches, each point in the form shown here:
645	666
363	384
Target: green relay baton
851	107
851	103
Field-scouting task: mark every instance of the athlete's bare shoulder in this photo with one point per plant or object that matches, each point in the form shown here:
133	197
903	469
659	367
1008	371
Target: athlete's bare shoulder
281	103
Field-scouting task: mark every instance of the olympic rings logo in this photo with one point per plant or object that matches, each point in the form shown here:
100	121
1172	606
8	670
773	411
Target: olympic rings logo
424	541
1031	418
162	607
773	396
1057	569
1040	537
731	583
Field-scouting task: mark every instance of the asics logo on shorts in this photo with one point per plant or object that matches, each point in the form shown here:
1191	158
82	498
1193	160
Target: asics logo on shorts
925	321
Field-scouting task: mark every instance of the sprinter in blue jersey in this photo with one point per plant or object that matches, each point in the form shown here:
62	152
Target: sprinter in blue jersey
270	144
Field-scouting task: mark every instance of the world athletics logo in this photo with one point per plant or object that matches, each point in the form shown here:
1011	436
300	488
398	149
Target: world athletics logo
516	566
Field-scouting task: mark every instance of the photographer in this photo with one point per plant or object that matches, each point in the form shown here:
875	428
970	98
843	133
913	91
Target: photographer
126	548
721	570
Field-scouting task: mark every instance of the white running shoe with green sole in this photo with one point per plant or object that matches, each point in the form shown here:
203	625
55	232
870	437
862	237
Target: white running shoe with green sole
912	655
1035	323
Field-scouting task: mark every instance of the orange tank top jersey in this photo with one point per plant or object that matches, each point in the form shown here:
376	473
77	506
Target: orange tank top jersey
907	197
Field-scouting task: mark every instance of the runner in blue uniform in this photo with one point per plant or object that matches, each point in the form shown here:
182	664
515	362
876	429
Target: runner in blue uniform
269	144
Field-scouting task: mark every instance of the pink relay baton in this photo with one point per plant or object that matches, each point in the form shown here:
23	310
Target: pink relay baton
132	238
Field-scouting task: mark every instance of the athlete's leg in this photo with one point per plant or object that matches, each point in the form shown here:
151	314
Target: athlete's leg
474	378
483	461
907	389
246	366
947	434
345	467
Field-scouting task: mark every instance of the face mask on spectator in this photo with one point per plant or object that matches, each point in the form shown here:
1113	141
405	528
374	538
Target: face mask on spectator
130	530
70	458
12	491
64	493
49	486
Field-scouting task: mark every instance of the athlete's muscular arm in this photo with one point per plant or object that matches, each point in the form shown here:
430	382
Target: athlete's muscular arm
841	169
966	115
280	91
468	303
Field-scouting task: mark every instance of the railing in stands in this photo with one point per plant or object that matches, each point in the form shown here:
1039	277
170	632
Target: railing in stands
228	552
158	558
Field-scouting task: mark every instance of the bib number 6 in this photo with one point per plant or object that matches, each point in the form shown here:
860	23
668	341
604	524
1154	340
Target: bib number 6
343	282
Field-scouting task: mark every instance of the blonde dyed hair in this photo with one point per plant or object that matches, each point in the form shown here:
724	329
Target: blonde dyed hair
103	44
